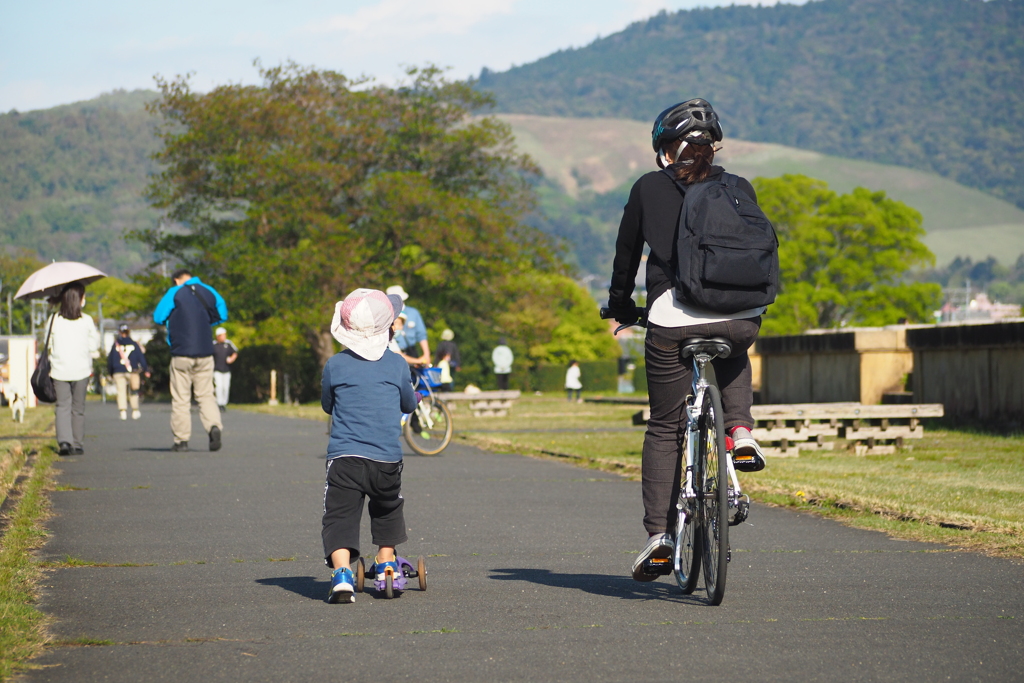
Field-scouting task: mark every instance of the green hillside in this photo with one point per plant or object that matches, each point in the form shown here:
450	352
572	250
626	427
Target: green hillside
71	180
936	85
594	161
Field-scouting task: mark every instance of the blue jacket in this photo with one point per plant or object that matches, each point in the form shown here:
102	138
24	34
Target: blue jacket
366	399
189	310
413	333
130	348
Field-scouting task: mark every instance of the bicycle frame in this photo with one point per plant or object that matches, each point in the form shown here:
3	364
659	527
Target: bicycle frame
694	408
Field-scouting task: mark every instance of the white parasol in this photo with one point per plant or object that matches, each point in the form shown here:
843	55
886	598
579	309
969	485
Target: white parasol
49	280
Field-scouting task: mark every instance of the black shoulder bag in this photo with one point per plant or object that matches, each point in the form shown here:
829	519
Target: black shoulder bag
42	383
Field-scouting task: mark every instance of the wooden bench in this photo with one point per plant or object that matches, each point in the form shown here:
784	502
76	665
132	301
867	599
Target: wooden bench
786	429
484	403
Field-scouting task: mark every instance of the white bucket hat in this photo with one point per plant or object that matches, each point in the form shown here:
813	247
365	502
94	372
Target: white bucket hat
361	322
397	290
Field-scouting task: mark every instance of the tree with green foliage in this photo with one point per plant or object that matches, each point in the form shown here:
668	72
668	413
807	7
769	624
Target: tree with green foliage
843	258
15	267
294	192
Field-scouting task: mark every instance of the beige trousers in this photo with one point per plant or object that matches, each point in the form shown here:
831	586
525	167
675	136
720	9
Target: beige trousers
188	375
126	381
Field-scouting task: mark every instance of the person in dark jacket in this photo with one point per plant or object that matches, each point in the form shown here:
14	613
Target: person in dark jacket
190	309
448	356
126	363
684	138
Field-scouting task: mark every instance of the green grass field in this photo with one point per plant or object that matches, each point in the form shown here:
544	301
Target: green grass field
960	488
602	154
22	626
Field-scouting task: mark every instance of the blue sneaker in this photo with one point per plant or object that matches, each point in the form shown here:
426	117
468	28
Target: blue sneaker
342	586
379	569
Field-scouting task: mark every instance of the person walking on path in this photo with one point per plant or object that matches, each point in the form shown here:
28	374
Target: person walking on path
684	138
126	363
365	390
413	337
224	354
448	359
189	309
73	341
572	381
502	358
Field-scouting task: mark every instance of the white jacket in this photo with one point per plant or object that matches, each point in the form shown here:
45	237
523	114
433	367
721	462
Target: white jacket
72	344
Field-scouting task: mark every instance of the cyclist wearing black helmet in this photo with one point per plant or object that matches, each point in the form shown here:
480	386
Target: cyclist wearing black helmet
683	138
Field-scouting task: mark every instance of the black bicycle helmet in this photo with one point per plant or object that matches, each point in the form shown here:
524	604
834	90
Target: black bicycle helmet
684	118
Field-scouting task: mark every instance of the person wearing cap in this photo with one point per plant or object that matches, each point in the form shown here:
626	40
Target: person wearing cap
126	363
189	309
448	359
365	389
224	354
413	338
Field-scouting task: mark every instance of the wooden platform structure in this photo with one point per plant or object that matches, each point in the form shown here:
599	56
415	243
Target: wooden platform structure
483	403
786	429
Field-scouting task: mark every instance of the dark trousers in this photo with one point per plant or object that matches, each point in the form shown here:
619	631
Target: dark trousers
568	394
70	412
669	378
349	481
502	381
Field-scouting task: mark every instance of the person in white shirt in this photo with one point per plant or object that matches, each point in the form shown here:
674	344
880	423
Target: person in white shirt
572	381
502	358
73	341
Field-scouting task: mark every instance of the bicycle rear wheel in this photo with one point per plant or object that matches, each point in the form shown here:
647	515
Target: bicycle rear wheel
428	431
687	553
713	495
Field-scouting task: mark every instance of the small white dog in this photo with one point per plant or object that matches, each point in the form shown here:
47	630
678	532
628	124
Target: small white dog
18	405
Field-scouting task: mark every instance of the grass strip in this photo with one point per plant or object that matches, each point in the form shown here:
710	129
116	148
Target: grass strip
22	626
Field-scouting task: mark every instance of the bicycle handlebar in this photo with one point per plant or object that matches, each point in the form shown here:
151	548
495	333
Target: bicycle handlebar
638	311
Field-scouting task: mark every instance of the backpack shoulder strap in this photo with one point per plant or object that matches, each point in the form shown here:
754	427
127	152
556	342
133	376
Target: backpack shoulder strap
210	310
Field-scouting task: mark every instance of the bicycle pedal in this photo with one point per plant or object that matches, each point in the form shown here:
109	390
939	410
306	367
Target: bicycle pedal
742	511
658	566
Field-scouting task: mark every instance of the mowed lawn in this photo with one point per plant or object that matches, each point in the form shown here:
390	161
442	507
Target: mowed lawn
962	488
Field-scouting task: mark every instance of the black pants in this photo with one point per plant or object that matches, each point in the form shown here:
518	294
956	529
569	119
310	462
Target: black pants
349	481
669	377
502	381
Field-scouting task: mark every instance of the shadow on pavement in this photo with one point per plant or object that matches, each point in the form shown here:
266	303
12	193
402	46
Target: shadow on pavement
601	584
306	586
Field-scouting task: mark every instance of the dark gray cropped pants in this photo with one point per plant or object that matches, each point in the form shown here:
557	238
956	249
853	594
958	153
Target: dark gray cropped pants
70	412
349	481
669	377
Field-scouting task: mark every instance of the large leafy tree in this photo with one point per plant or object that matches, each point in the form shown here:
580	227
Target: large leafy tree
292	193
844	258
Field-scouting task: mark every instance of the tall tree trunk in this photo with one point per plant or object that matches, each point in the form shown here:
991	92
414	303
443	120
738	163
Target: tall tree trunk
323	344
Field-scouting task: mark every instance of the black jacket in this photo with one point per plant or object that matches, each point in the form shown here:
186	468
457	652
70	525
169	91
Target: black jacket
651	215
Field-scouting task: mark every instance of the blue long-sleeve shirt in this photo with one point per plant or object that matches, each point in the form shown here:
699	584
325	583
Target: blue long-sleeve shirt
366	399
188	310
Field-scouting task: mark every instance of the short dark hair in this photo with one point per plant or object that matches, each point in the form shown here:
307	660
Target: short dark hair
179	272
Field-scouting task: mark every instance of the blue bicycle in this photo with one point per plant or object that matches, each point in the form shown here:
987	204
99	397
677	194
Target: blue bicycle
428	429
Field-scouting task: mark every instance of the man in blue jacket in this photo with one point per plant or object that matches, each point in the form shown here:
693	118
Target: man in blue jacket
190	309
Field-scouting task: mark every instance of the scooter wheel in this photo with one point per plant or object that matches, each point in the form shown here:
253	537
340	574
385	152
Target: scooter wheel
389	585
421	572
360	575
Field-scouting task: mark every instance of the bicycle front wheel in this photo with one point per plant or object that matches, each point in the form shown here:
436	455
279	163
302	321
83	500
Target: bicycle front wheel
428	431
686	562
713	495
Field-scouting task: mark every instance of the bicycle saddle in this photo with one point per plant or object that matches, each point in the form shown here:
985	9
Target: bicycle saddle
713	346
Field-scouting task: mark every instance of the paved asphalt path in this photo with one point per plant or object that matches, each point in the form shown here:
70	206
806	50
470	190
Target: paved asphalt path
528	563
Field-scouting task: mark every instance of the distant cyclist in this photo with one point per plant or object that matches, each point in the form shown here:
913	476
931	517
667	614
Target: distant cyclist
684	138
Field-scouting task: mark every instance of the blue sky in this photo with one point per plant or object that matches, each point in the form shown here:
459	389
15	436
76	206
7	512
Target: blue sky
68	50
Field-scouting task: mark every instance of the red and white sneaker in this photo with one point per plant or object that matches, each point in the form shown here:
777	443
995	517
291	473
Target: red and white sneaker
746	453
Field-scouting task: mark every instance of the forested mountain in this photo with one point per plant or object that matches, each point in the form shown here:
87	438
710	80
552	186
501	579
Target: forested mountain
72	177
931	84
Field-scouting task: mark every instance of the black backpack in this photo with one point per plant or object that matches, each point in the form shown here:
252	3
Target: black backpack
727	253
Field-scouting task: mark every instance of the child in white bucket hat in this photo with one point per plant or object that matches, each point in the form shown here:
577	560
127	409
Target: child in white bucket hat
366	388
